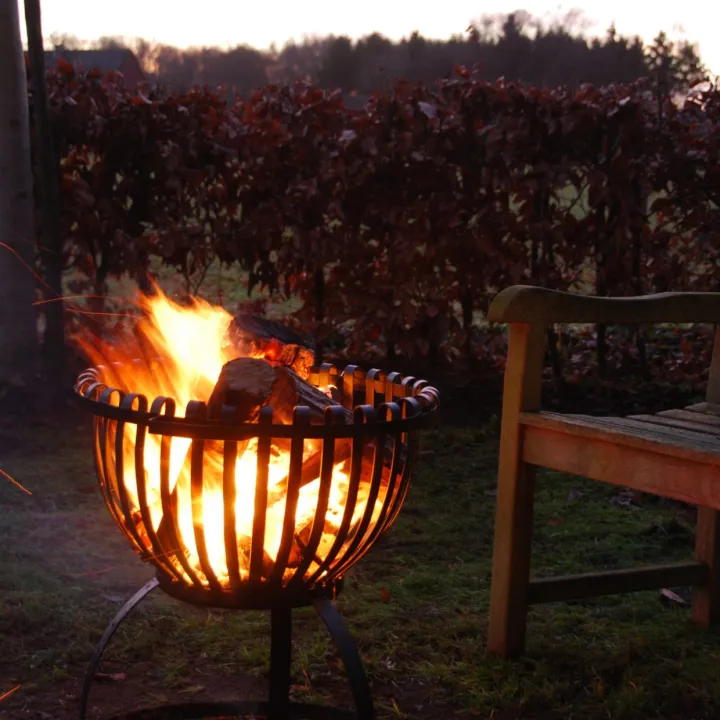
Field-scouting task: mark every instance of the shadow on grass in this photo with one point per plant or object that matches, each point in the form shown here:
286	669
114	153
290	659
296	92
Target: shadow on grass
417	604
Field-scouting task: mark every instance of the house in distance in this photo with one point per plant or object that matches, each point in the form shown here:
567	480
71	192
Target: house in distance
119	60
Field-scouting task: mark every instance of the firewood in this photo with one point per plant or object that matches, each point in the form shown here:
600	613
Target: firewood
255	336
248	384
245	385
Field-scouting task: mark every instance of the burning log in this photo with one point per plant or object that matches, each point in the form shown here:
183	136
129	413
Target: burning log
247	384
256	336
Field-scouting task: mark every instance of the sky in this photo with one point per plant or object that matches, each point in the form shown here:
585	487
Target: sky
232	22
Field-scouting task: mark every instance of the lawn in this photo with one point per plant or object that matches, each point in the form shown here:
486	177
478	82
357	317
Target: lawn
417	604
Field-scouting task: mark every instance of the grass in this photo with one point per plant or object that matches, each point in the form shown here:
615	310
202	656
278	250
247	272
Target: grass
417	604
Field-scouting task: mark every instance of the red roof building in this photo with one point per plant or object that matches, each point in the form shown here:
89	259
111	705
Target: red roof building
119	60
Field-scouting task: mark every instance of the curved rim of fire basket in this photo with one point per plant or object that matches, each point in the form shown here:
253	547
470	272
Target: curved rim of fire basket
415	412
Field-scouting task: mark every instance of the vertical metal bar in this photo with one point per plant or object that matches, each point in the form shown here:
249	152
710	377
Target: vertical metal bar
392	409
333	415
280	662
391	383
407	386
410	408
168	529
229	499
106	443
370	381
348	386
356	459
197	410
257	542
101	459
106	449
113	476
159	556
359	544
301	420
129	524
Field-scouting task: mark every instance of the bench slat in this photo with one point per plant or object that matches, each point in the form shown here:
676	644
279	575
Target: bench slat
696	417
705	407
653	437
681	423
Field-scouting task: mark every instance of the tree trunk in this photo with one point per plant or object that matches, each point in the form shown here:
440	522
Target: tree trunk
18	323
49	198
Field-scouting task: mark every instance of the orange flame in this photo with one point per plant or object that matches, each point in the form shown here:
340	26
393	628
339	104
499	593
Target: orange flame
178	352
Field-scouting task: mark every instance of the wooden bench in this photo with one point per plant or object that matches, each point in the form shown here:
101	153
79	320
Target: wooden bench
674	454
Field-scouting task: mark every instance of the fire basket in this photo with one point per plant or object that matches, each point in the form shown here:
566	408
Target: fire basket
240	504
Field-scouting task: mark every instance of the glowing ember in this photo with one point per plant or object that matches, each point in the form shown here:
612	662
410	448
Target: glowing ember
178	352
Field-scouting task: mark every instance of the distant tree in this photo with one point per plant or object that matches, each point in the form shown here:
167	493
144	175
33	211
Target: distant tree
416	60
174	68
661	62
68	41
110	42
689	69
298	62
239	70
515	48
377	61
340	67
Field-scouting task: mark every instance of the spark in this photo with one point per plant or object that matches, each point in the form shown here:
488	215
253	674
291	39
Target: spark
10	692
94	314
82	297
41	280
27	267
16	484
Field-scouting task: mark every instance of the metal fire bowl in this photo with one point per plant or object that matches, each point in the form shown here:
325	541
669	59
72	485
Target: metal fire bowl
388	411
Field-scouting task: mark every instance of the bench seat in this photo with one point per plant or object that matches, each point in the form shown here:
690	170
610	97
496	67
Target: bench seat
673	454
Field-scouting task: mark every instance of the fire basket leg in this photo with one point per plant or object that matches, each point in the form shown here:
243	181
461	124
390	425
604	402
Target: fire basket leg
147	588
280	662
350	657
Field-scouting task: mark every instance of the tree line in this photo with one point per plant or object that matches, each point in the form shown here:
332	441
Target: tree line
516	47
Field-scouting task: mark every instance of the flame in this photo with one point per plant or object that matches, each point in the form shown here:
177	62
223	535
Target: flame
177	351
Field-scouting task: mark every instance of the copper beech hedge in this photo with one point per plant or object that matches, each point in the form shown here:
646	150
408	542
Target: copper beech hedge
398	223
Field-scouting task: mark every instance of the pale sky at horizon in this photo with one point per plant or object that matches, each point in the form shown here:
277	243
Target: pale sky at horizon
230	22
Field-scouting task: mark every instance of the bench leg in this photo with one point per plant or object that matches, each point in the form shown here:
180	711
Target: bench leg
706	600
515	490
511	558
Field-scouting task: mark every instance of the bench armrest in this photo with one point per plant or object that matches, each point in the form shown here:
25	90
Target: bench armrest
528	304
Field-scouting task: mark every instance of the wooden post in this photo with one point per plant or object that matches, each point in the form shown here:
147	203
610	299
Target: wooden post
49	198
516	488
706	600
18	323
